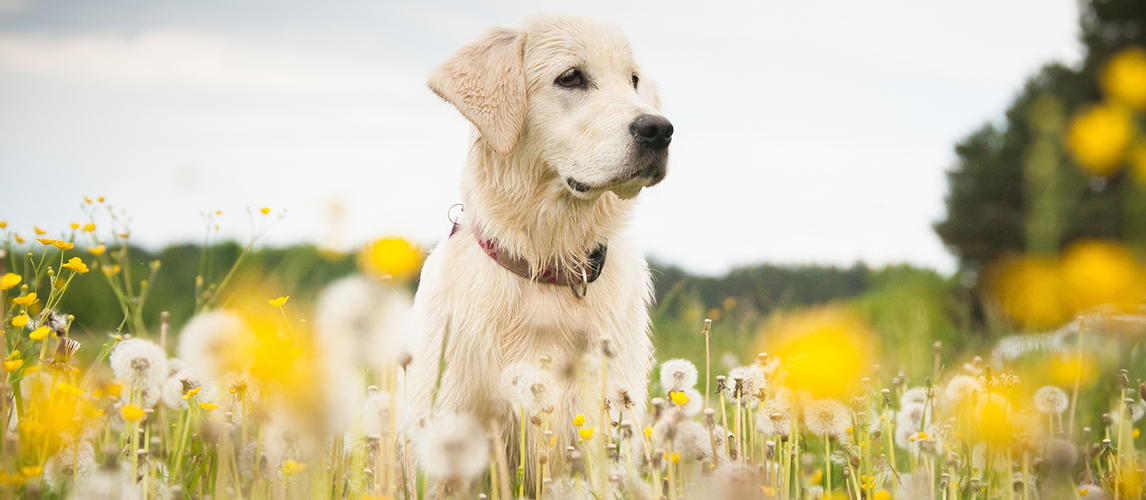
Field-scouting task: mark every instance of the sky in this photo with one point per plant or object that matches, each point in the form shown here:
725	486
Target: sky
812	132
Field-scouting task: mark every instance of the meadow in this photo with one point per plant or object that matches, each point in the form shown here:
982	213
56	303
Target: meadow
226	370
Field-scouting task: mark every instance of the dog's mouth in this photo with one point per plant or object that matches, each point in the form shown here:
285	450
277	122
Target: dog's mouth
650	170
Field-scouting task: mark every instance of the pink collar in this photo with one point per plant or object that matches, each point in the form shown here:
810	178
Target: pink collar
577	278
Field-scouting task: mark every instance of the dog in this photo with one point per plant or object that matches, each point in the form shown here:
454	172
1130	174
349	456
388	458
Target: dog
567	131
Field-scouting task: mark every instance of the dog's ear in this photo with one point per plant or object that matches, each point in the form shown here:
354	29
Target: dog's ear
484	80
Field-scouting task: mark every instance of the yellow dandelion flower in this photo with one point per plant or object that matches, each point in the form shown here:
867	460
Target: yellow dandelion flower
10	280
394	257
579	420
208	406
39	333
89	227
820	349
75	225
97	251
586	433
850	430
1029	289
77	265
1098	138
46	241
132	413
1102	273
63	245
192	392
279	301
12	365
674	457
290	468
26	300
881	495
69	389
265	210
31	470
21	320
678	397
1124	77
39	232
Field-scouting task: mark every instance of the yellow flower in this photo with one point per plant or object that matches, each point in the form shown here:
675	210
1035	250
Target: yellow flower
1124	77
678	397
1082	492
3	224
88	200
649	432
1098	138
12	365
579	420
1136	433
39	232
10	280
31	470
208	406
279	301
18	238
1097	273
26	300
394	257
75	225
821	349
97	251
111	271
100	199
21	320
265	210
674	458
586	433
63	245
89	227
39	333
1029	289
290	468
77	265
192	392
131	413
46	241
69	389
923	436
881	495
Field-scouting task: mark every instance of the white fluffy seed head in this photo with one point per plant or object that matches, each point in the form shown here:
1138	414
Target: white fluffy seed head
1051	400
917	395
678	375
827	417
212	344
961	388
139	363
453	448
526	386
177	385
363	320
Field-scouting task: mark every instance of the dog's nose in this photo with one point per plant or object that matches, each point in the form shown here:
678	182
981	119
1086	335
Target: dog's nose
653	131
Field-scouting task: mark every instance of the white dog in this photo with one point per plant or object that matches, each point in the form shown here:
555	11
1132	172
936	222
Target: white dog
567	134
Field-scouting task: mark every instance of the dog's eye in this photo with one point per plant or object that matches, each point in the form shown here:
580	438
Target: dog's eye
572	79
635	80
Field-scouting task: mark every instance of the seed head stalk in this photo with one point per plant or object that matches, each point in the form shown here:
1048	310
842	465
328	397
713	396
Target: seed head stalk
707	332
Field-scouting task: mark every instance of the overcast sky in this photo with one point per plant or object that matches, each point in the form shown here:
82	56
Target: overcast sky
806	132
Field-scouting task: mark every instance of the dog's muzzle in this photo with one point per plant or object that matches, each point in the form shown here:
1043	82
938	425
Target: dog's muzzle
653	132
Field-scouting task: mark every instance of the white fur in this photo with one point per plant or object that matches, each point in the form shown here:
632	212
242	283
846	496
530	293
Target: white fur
515	190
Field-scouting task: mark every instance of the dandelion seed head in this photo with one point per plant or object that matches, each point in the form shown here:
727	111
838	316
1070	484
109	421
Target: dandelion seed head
1137	410
176	386
775	418
141	363
526	386
916	395
363	320
76	460
668	427
1051	400
908	421
453	448
827	417
962	387
214	343
677	375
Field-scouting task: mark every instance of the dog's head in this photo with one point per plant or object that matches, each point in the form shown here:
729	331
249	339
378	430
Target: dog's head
564	92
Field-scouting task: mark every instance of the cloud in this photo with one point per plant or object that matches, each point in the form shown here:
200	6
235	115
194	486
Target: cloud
167	57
